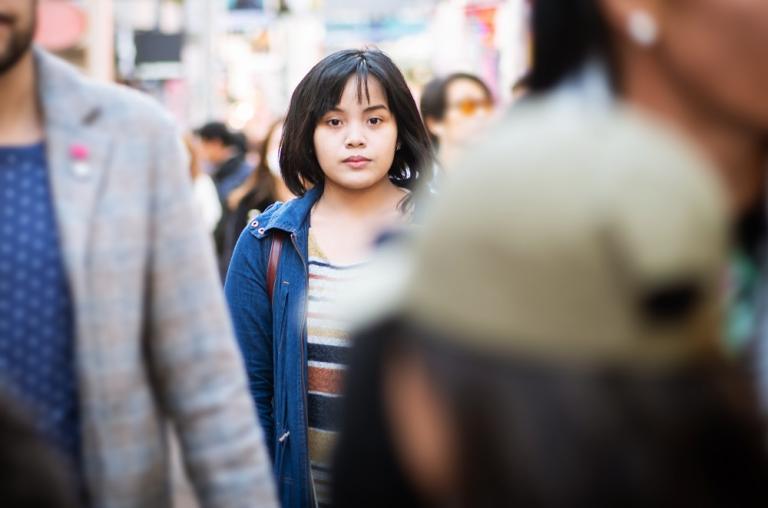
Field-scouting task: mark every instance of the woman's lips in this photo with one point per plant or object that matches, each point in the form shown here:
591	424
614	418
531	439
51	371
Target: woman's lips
356	161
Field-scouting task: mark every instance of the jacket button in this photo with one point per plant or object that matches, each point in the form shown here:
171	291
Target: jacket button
261	231
255	223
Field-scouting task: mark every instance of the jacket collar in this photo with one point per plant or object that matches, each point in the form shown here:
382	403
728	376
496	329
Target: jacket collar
290	217
65	100
73	116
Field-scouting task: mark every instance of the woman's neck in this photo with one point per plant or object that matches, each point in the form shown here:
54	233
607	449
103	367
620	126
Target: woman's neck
373	201
738	151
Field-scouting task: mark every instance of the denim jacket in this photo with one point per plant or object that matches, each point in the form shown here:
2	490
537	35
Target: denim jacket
273	337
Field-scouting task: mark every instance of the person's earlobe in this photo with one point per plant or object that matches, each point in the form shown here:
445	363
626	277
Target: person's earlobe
634	20
642	28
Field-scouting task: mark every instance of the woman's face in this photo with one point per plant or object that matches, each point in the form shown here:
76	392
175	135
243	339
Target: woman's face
718	50
468	110
355	142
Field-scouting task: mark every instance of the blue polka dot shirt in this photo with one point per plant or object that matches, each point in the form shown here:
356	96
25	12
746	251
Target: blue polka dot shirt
37	365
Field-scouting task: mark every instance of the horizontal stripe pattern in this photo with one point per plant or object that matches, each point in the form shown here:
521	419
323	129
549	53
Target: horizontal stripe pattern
328	350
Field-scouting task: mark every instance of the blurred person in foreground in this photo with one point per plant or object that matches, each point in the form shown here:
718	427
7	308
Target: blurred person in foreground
263	187
113	325
456	109
555	342
203	189
700	65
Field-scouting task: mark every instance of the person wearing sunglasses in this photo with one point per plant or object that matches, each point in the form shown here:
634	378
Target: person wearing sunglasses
455	108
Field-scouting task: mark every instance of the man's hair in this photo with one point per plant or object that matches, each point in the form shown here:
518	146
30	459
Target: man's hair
217	131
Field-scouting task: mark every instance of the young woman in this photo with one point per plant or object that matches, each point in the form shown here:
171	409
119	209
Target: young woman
353	149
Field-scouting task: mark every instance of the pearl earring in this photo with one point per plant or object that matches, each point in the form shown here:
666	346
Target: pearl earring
642	28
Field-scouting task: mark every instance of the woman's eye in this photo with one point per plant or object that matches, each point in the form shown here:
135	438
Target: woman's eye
375	121
334	122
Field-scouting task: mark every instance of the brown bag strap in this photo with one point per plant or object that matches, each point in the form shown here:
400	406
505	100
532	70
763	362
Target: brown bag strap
274	261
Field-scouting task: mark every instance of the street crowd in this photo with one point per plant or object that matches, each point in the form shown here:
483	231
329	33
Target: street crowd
390	302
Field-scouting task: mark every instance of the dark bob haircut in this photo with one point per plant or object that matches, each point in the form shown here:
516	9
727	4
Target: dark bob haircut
321	90
434	98
566	34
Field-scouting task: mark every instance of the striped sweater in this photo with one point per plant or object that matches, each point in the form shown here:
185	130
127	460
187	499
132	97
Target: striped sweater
328	346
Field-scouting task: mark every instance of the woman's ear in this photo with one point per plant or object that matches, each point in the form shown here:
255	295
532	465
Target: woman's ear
634	21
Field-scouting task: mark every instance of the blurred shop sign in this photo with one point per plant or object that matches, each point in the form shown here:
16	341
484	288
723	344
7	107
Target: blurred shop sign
61	24
158	54
246	4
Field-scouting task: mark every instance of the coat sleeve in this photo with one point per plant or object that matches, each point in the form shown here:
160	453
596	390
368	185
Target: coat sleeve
193	355
251	310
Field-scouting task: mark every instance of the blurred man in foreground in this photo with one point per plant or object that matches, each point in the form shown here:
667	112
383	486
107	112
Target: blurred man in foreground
112	323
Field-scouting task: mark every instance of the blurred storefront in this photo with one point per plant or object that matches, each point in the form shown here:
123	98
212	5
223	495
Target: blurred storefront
240	59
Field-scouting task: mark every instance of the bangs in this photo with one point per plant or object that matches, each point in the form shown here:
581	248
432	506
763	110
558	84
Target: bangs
335	80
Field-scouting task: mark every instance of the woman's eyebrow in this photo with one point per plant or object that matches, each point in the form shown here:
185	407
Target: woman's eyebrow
375	107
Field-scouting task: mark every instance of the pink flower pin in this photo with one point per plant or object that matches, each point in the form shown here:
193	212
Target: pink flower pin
79	154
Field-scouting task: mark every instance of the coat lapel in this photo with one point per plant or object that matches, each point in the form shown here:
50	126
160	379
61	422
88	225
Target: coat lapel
72	123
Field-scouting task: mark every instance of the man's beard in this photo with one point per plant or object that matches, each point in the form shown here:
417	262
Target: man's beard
18	45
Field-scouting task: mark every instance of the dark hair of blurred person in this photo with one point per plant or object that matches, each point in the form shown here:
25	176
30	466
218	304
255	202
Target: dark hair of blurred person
701	65
298	162
557	346
455	108
33	475
533	434
255	194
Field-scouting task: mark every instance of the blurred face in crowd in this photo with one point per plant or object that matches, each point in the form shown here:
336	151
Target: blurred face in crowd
214	151
17	28
467	111
355	142
716	51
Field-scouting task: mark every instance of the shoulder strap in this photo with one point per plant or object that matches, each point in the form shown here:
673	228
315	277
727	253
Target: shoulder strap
274	261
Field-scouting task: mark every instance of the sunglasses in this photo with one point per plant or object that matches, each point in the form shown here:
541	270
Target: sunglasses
469	107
